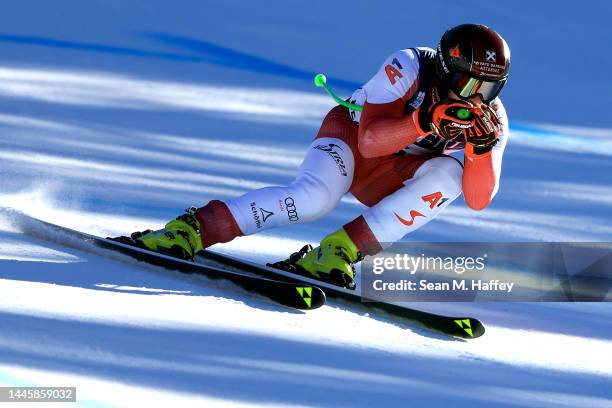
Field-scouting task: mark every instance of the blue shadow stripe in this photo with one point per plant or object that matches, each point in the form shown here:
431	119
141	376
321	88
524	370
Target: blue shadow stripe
106	49
237	59
206	53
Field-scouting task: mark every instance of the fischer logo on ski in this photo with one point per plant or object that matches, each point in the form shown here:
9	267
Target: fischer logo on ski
465	325
306	294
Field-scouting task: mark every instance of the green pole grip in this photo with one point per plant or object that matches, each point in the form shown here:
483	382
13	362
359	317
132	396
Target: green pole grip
320	81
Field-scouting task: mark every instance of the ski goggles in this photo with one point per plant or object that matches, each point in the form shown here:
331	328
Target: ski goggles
466	86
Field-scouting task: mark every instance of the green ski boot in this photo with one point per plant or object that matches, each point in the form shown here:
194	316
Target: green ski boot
333	261
180	238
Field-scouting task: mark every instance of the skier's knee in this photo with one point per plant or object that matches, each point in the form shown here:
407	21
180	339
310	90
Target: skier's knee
449	173
313	198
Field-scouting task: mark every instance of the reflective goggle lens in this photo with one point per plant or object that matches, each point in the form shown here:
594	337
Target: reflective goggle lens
466	86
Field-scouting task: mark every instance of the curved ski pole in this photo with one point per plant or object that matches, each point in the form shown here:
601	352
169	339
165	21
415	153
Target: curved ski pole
320	81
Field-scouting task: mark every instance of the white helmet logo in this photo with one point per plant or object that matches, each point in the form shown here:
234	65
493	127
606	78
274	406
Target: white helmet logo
491	56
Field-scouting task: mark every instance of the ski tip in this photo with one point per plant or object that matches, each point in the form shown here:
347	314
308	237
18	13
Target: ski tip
467	328
308	297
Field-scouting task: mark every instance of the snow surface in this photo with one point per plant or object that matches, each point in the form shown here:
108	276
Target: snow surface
117	115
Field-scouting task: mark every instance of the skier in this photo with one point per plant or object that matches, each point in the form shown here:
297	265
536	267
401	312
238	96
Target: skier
420	105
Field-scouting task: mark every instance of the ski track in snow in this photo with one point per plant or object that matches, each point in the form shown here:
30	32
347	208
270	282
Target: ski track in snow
128	139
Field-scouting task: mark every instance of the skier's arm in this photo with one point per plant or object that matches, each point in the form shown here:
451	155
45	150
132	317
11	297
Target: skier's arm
383	128
481	172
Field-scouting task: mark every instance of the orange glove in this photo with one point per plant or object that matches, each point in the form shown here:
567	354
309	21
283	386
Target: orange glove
451	118
485	132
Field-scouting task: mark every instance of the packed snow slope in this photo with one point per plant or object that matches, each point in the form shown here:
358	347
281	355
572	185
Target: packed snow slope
117	115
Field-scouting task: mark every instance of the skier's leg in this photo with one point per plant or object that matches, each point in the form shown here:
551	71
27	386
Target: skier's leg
435	184
323	178
405	193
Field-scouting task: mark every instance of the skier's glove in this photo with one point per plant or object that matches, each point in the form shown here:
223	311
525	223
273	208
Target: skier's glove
485	132
451	118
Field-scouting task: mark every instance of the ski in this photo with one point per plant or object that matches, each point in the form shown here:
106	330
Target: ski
456	326
297	295
286	288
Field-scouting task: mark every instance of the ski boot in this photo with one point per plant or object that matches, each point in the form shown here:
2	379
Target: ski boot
180	238
333	261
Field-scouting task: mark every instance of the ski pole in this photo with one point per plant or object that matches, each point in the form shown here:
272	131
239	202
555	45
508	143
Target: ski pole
320	81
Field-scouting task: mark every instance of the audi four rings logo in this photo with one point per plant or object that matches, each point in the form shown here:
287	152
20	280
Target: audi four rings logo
291	210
